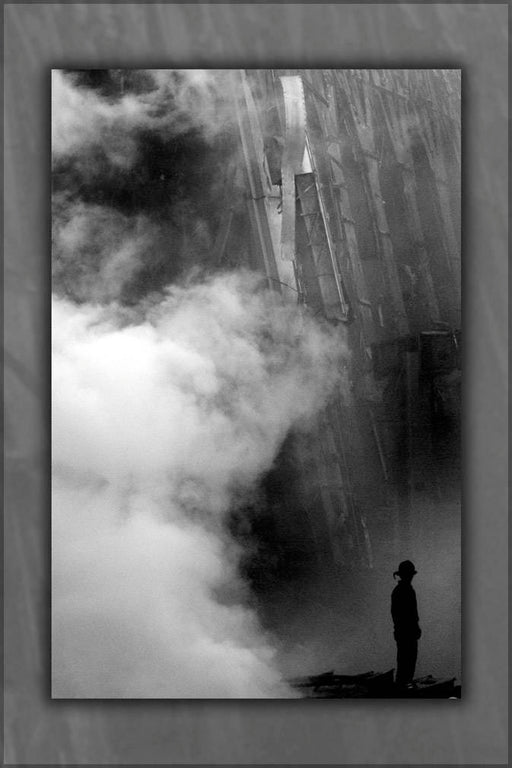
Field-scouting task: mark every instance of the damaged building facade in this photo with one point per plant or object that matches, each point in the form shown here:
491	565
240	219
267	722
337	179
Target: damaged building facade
345	195
342	189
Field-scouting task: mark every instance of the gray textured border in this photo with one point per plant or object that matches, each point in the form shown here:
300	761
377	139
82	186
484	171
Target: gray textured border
39	731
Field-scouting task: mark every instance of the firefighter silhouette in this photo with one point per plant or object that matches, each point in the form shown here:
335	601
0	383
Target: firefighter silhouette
407	632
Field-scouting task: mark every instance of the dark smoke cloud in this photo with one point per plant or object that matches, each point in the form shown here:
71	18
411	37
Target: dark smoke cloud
164	102
141	160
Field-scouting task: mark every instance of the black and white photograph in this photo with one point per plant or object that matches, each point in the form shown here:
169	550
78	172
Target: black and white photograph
256	373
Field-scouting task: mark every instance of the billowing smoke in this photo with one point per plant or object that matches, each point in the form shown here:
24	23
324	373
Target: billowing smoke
173	392
161	419
97	250
169	102
139	160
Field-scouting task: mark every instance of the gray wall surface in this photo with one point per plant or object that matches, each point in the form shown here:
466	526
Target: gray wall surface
41	36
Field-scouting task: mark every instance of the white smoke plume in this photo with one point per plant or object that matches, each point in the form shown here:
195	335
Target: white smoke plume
161	418
166	414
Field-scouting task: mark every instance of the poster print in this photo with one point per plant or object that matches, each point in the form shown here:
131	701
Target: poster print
256	383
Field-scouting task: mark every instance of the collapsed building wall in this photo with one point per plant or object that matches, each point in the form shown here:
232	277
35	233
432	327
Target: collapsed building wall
349	185
342	188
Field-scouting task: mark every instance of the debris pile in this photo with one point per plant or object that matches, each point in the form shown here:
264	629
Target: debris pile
374	685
